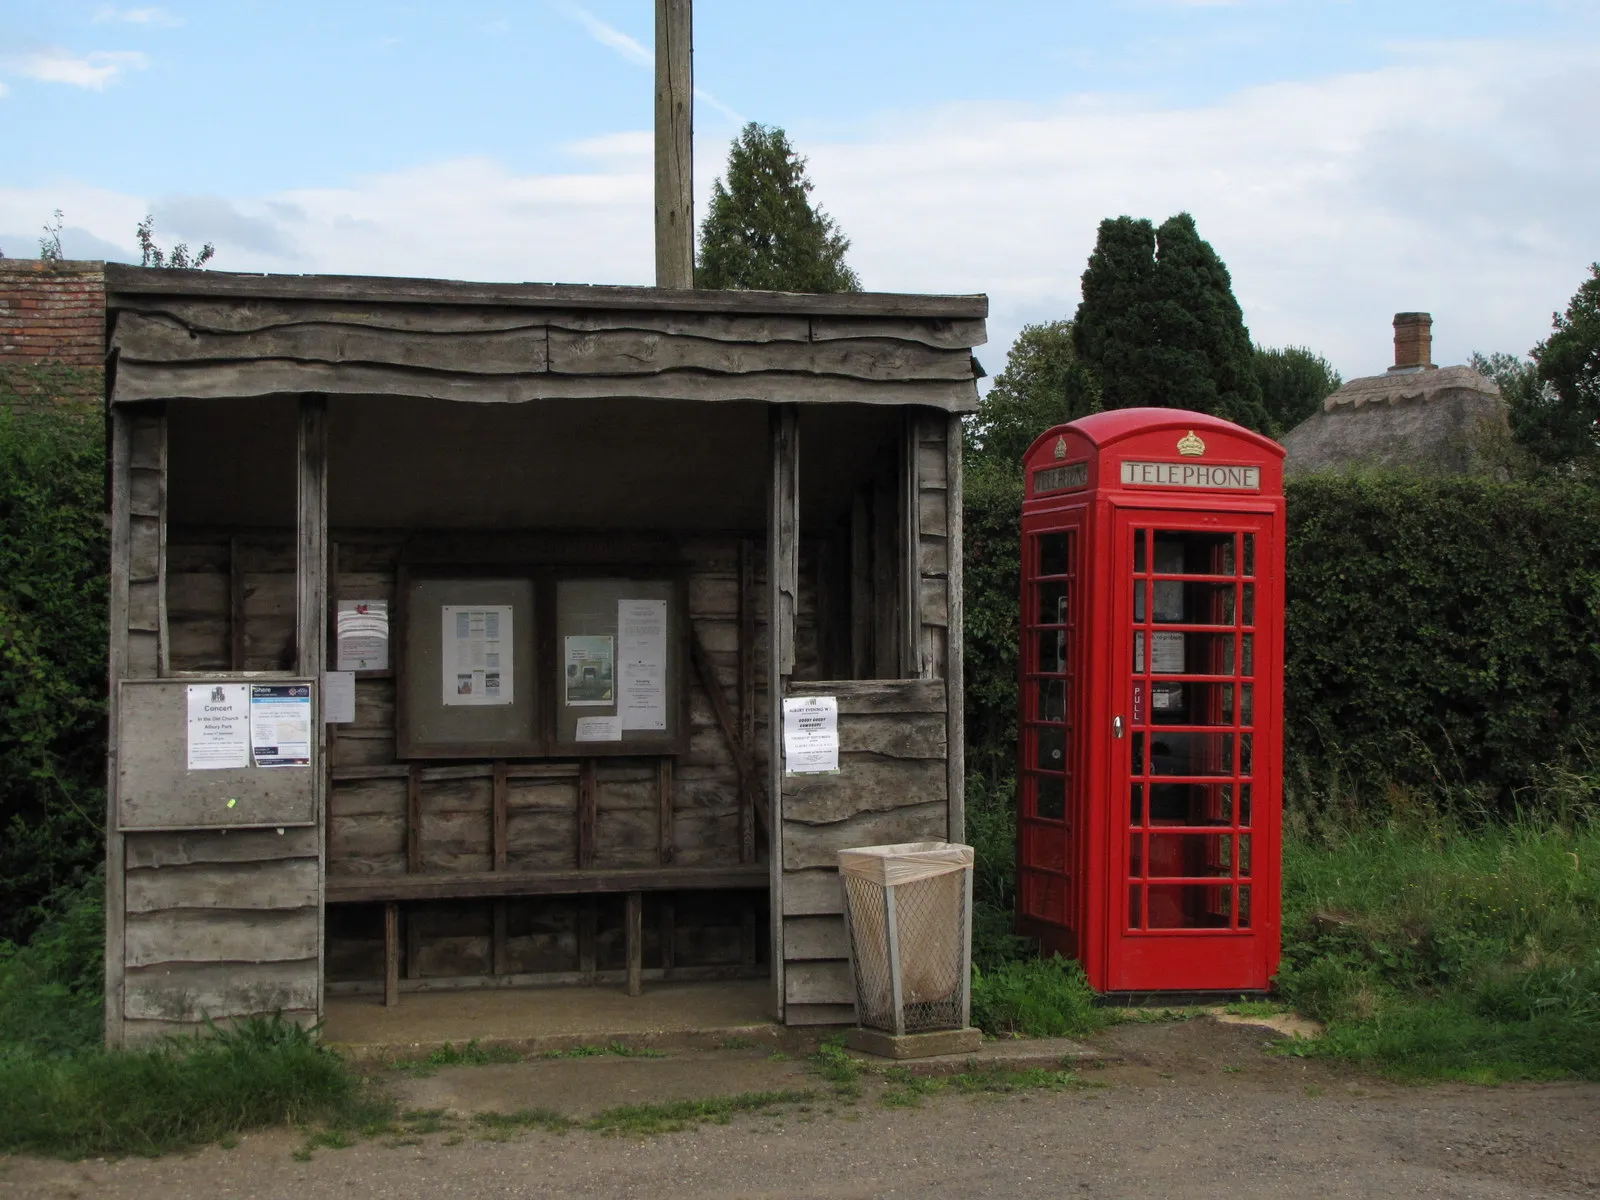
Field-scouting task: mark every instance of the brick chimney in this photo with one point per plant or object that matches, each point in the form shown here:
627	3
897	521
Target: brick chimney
1413	343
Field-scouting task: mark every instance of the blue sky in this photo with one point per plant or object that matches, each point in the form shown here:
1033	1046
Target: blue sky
1347	159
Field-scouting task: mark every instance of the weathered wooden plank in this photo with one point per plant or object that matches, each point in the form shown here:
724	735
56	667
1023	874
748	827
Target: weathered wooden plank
287	883
587	800
634	939
935	609
893	735
235	846
954	669
143	655
119	449
391	954
193	936
931	513
485	884
144	338
818	983
820	1014
934	555
146	451
192	992
123	283
136	381
144	493
369	838
950	334
860	697
666	843
812	893
144	606
818	845
866	783
814	937
144	548
143	1032
626	352
745	673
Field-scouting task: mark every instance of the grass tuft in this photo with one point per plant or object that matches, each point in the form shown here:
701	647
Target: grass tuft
1036	998
615	1049
473	1054
677	1115
546	1119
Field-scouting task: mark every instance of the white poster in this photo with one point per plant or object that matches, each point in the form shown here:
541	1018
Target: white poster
811	735
362	633
280	724
642	655
590	674
599	729
1166	657
476	657
338	697
219	726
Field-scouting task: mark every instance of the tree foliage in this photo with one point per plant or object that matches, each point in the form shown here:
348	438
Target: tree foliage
762	231
178	258
52	655
1159	326
1559	423
1294	382
1042	385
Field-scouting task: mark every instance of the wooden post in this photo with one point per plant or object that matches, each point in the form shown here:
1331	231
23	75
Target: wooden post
747	696
666	848
674	144
634	936
311	618
783	579
391	954
587	787
911	551
955	714
121	537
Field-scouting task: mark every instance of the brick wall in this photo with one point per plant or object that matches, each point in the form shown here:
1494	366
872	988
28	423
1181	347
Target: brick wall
52	332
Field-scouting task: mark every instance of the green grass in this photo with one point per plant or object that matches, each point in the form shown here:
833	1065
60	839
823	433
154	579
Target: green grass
504	1124
1037	997
1435	951
834	1063
615	1049
678	1115
905	1090
178	1093
473	1054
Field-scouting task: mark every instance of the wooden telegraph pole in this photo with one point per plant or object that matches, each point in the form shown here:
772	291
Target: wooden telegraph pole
674	144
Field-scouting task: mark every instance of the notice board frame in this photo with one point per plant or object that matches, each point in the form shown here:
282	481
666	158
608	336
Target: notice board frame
155	789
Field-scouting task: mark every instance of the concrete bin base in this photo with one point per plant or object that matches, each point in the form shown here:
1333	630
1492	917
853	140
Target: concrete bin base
915	1045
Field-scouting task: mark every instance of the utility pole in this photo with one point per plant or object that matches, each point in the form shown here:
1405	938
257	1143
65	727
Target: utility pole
674	144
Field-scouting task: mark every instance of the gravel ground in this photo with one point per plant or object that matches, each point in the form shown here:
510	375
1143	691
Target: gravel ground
1195	1109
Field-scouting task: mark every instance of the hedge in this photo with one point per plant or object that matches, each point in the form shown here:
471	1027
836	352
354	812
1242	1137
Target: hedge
1443	636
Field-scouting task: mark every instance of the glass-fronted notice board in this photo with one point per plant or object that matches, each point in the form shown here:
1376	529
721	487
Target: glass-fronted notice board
542	663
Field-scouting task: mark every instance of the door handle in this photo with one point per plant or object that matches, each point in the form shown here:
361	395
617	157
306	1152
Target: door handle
1116	726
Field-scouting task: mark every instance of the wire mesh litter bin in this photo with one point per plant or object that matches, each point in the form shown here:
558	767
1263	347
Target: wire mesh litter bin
908	908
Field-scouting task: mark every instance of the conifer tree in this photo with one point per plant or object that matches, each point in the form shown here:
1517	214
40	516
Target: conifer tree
762	230
1159	326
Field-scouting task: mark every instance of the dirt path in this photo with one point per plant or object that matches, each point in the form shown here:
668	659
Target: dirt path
1197	1109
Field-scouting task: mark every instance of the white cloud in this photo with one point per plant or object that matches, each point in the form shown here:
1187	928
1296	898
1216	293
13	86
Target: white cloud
1443	183
136	16
95	70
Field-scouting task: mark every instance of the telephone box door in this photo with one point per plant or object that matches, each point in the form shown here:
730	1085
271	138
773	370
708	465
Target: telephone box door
1193	841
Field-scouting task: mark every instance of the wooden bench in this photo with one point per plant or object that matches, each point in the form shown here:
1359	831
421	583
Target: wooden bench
632	882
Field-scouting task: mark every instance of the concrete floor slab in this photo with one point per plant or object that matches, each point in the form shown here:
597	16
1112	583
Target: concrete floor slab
534	1020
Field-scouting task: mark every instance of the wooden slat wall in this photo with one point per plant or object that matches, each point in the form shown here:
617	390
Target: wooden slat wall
932	552
892	787
171	346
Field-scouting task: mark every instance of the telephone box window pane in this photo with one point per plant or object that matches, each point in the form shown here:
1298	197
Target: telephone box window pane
1136	804
1193	552
1052	651
1191	704
1247	655
1247	704
1137	761
1136	856
1051	747
1175	652
1170	605
1244	908
1050	797
1193	603
1139	536
1053	554
1245	741
1249	604
1190	804
1052	699
1244	854
1045	896
1138	600
1190	855
1135	906
1047	849
1053	608
1191	754
1250	554
1244	804
1190	905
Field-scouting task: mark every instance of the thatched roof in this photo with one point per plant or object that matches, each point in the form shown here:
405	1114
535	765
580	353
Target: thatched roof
1433	419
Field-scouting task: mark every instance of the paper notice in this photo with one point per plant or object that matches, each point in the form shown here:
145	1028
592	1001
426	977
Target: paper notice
338	697
1166	654
642	652
590	678
599	729
811	735
219	726
362	633
280	724
476	654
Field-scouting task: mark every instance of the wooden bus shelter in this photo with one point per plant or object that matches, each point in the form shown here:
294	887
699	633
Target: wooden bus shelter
569	547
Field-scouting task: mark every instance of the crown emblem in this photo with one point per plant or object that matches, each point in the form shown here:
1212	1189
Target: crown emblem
1190	445
1061	447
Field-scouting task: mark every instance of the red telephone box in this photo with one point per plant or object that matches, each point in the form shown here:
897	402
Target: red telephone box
1150	772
